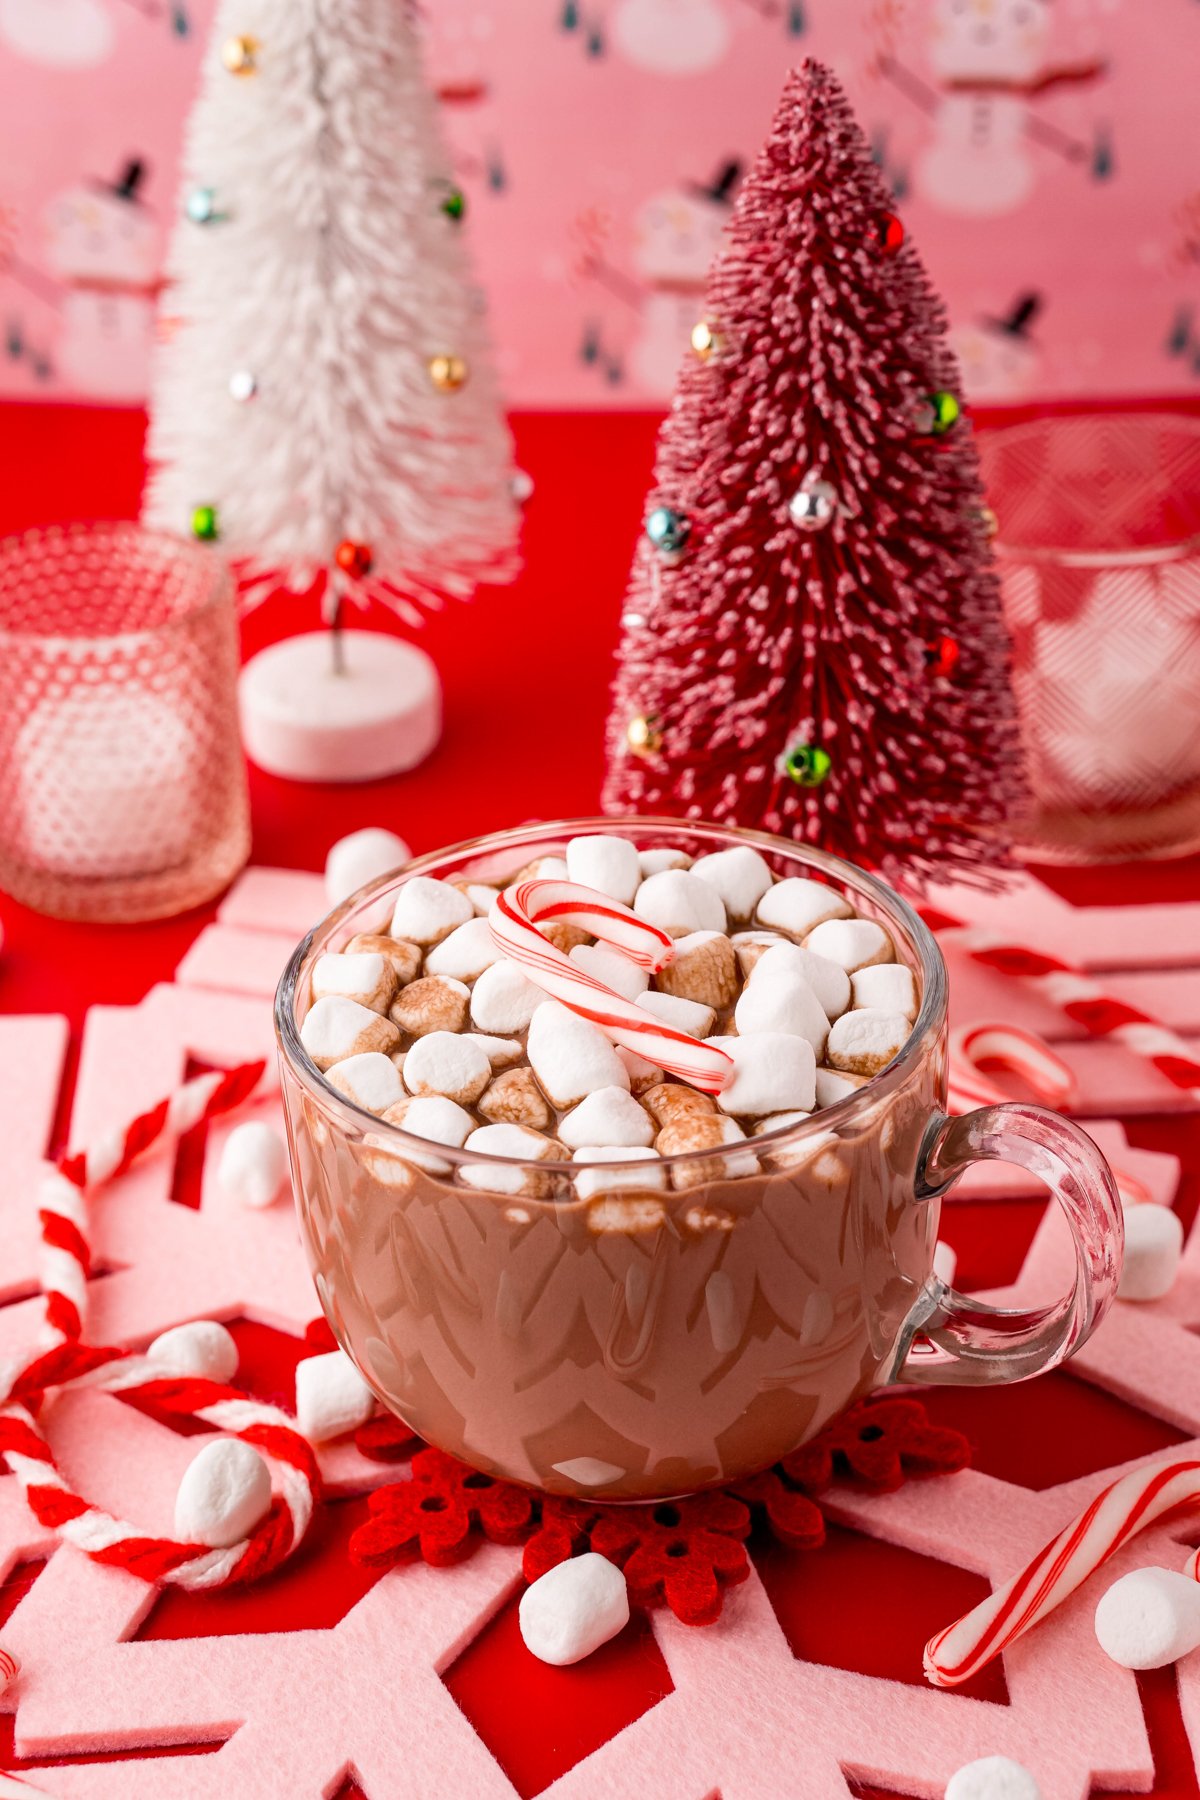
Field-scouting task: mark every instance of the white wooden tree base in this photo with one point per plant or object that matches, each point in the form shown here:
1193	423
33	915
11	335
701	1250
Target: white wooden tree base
300	719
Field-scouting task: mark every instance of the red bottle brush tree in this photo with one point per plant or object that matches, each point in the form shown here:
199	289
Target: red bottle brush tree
812	642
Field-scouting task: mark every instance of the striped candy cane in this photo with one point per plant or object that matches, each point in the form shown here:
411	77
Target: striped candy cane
1085	1545
514	921
1084	1001
182	1391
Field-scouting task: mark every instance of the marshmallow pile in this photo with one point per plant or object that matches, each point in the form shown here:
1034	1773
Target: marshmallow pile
430	1027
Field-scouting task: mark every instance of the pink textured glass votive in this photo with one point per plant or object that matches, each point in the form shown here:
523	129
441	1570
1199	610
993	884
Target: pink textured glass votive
1098	549
122	783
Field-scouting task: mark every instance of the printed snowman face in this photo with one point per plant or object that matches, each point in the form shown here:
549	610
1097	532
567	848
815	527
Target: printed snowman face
989	40
675	237
671	37
994	363
93	235
63	34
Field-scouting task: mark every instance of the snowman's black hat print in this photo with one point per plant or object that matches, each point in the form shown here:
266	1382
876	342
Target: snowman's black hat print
724	184
1019	318
128	185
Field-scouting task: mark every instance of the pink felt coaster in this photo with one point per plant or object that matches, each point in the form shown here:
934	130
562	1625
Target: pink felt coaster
1090	937
236	960
32	1054
287	901
1157	1172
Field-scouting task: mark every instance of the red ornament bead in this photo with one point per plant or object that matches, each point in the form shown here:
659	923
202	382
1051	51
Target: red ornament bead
354	559
941	656
887	234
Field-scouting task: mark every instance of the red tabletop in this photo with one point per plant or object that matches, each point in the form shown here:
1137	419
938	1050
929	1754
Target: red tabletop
525	671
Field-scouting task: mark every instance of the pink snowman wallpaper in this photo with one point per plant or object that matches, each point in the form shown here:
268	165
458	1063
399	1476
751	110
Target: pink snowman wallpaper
1042	153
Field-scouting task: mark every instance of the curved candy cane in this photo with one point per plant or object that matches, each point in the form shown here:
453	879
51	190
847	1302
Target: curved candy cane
1114	1516
514	920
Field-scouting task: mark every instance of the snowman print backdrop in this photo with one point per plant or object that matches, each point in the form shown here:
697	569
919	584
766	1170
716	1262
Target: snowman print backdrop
676	235
63	34
102	245
671	37
993	62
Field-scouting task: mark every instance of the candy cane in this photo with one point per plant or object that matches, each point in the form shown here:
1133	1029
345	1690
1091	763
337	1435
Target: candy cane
1114	1516
514	920
1084	1001
1033	1060
9	1669
161	1378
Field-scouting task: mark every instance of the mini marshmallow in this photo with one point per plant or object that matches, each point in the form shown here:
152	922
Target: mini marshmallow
643	1075
362	857
679	902
671	1100
1153	1247
779	1122
833	1085
609	1116
682	1015
404	958
434	1003
773	1071
705	969
740	876
331	1397
449	1064
465	954
335	1028
570	1056
993	1778
865	1040
1149	1618
782	1002
428	911
514	1141
616	972
851	943
225	1491
608	864
703	1131
544	868
606	1181
796	904
502	1053
364	976
625	1215
434	1117
515	1098
253	1164
653	862
889	987
203	1349
503	1000
573	1609
371	1081
945	1262
750	946
828	981
482	897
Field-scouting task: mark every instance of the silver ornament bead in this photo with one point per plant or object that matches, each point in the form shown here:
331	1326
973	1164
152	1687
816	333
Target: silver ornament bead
243	385
813	504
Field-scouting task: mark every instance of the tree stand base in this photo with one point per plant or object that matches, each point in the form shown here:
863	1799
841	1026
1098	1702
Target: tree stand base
380	714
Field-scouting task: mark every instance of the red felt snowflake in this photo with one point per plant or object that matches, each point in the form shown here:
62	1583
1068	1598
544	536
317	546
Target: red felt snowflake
879	1441
318	1337
685	1552
435	1513
791	1516
385	1439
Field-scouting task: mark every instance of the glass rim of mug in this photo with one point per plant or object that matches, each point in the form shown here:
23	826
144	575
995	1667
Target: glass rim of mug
211	587
929	1020
1142	556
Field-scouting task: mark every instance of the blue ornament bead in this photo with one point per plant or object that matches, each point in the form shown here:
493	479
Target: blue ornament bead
202	206
667	530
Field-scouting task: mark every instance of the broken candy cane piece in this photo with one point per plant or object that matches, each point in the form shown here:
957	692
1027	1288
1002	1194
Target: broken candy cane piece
225	1491
254	1163
1153	1250
993	1778
1116	1514
10	1668
331	1397
573	1609
1149	1618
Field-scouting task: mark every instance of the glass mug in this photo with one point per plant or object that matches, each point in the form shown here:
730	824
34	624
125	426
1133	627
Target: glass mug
645	1344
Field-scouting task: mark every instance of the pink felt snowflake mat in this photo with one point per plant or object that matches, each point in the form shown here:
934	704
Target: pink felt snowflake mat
294	1715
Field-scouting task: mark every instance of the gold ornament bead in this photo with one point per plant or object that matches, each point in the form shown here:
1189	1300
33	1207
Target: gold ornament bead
989	521
447	373
705	342
240	55
643	735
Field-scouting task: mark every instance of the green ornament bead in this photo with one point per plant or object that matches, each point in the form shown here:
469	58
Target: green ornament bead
454	204
806	764
205	524
939	413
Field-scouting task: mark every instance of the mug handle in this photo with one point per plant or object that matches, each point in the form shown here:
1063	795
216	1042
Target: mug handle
952	1339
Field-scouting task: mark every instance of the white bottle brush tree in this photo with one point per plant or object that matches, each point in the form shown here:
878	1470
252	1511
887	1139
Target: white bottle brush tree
324	404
